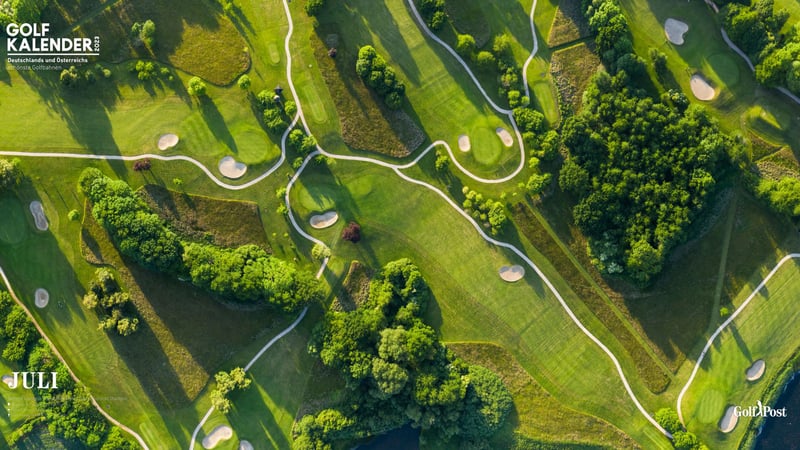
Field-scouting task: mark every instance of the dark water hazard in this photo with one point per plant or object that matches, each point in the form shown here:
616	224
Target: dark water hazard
405	438
783	433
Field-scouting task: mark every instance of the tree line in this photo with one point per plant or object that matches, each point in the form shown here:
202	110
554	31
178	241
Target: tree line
245	274
756	28
397	372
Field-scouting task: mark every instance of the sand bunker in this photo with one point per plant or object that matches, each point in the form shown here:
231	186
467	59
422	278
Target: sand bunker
167	141
728	422
8	380
463	143
38	216
42	298
512	273
756	370
505	136
675	30
230	168
244	445
220	433
701	89
324	220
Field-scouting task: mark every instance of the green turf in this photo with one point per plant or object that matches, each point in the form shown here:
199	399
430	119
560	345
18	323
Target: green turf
762	331
192	36
16	405
13	226
471	300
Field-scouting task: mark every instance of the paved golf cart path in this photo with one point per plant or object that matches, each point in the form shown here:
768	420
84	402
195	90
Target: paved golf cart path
397	168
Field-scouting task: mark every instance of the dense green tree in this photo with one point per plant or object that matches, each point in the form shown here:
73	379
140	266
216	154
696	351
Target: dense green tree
196	87
373	70
10	174
465	45
244	82
485	60
668	418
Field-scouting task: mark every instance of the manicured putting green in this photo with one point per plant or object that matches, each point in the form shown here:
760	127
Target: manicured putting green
274	54
486	146
313	101
253	145
13	227
710	406
725	67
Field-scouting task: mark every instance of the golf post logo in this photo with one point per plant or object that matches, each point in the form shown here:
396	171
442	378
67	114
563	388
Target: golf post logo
30	46
759	410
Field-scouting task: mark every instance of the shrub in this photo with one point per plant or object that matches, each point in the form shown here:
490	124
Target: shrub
74	215
314	6
320	252
465	44
352	232
485	60
141	165
196	87
244	82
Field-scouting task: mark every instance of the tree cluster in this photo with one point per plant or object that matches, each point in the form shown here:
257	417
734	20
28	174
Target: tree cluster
433	13
301	143
21	11
250	274
756	29
137	232
783	196
681	439
16	331
111	303
397	372
10	174
228	382
274	113
74	78
642	171
313	7
612	33
245	274
491	213
144	32
150	70
372	68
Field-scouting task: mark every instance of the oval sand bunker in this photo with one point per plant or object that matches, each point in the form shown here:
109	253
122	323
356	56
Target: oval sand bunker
42	298
230	168
324	220
463	143
675	29
37	210
167	141
728	422
701	89
245	445
220	433
756	370
505	136
8	380
512	273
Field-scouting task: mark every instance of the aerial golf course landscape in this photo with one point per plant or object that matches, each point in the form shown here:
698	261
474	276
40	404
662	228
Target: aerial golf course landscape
400	224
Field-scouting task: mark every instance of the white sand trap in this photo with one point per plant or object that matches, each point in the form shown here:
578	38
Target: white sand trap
701	89
728	422
675	30
512	273
221	433
463	143
38	216
324	220
505	136
756	370
8	380
42	298
167	141
231	168
245	445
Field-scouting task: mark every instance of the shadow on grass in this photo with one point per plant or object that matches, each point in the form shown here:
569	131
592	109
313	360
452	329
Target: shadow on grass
216	123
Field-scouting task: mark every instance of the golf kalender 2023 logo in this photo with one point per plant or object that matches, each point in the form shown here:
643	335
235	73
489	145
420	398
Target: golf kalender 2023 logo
30	47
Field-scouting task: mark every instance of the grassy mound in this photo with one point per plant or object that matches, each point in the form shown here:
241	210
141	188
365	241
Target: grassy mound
190	35
569	24
536	413
226	223
572	68
13	226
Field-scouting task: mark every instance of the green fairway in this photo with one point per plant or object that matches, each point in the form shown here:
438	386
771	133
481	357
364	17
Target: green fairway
725	67
472	302
16	405
762	331
14	227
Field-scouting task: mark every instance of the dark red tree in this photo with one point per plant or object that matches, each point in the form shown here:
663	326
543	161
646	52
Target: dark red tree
139	166
352	232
